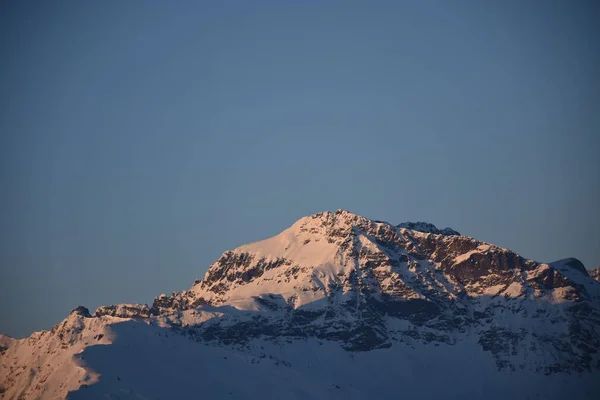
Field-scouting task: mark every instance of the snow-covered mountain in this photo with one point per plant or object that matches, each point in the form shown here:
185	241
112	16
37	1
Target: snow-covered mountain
336	306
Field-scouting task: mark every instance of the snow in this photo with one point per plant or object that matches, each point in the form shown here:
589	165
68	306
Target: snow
565	267
47	367
483	248
138	361
147	362
515	289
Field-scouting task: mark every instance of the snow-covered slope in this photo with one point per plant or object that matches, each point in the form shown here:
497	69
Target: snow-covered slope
336	306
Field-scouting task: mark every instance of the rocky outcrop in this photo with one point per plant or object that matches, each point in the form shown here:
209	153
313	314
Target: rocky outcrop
82	311
426	227
124	311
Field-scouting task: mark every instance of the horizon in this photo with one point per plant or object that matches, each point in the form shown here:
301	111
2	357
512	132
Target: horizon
140	141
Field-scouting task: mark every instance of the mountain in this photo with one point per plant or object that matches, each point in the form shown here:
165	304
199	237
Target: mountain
336	306
595	273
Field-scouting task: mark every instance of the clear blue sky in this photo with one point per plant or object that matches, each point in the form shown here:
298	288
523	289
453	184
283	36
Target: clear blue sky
141	139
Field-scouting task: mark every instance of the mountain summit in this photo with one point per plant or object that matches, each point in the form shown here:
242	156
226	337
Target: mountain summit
336	306
426	227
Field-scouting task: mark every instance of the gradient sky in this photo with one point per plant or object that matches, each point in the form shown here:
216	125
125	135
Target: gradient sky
141	139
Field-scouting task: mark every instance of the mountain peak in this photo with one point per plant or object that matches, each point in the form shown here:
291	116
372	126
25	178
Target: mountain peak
427	227
340	215
82	311
570	262
347	218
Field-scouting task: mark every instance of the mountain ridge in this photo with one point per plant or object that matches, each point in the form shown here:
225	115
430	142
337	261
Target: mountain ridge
358	287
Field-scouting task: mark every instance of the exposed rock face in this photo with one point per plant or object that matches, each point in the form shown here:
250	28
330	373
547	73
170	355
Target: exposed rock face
595	273
81	310
124	311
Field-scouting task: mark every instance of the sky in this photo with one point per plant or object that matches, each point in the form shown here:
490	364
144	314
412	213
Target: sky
141	139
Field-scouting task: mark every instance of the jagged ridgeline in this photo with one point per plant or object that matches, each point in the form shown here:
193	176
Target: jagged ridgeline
358	288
